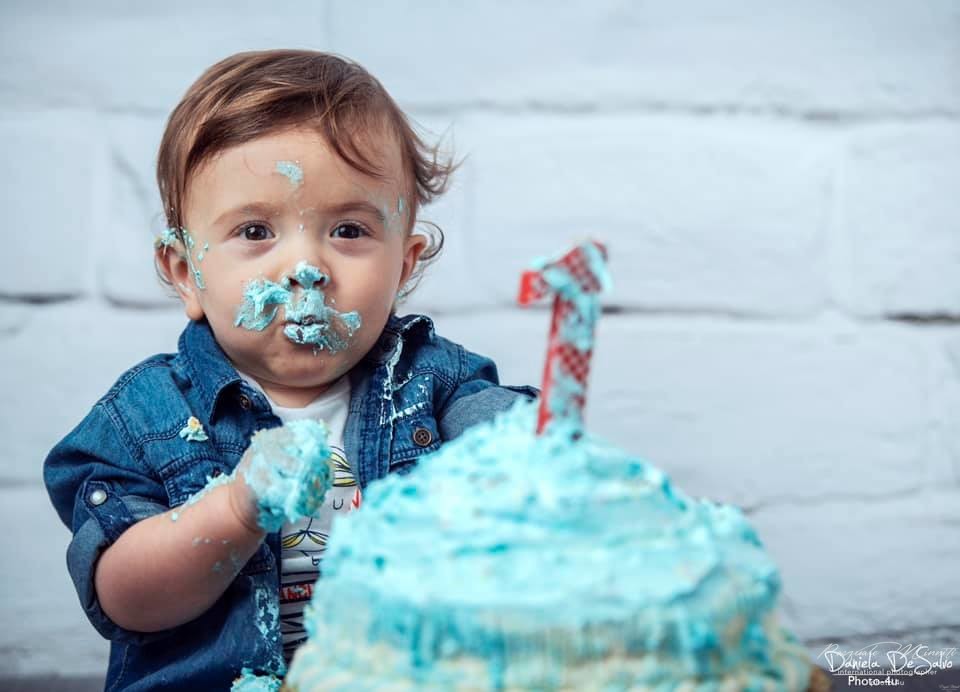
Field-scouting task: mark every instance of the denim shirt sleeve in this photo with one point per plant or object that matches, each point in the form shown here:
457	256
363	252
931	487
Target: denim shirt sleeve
478	396
99	490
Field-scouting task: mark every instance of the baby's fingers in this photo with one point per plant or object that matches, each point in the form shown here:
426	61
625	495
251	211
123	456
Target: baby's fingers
289	472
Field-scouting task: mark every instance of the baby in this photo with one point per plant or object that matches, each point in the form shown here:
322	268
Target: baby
291	183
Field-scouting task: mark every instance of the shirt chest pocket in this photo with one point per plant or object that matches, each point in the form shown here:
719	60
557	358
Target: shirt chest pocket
187	476
415	430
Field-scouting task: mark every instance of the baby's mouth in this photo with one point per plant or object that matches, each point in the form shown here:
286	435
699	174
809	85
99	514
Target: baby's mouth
304	329
331	332
305	321
310	330
308	320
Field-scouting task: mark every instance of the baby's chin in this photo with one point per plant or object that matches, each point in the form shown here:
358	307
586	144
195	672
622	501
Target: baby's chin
295	386
288	363
304	366
273	357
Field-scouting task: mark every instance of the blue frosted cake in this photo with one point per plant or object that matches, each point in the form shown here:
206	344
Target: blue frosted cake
511	561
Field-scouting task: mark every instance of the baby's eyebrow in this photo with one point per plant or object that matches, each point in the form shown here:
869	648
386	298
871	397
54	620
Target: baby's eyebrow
254	208
268	209
355	206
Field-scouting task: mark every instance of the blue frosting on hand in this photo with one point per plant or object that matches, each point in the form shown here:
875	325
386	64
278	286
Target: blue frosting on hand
289	472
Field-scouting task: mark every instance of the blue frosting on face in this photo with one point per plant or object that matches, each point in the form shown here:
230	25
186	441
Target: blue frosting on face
260	300
168	237
533	557
194	269
292	171
309	319
307	275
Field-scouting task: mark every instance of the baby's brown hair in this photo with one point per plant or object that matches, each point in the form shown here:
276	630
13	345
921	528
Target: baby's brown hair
249	95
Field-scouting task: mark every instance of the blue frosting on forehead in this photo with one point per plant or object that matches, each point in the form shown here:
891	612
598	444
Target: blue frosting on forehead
291	171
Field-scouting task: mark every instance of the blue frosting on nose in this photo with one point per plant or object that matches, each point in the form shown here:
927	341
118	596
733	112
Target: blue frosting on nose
307	275
309	319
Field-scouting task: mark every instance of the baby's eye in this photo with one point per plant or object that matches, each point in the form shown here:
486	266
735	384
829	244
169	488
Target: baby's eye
256	231
350	231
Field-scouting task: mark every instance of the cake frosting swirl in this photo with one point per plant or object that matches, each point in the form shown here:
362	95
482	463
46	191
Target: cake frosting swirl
509	560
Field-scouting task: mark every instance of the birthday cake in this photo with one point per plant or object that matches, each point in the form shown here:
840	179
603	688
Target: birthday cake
525	556
515	561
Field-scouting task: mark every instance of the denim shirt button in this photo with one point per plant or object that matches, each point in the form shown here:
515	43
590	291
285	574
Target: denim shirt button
97	497
216	472
422	437
245	402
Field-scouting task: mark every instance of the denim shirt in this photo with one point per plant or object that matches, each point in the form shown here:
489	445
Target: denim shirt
126	461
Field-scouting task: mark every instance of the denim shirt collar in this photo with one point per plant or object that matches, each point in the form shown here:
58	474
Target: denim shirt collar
395	333
211	370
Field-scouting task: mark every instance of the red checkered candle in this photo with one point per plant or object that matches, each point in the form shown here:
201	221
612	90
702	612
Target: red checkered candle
575	280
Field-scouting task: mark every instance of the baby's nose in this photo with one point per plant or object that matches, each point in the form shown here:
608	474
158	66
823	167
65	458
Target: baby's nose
308	276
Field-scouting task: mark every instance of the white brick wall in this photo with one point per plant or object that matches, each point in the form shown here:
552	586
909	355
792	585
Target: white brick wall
776	182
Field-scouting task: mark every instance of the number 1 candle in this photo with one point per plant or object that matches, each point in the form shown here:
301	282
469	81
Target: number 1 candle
576	281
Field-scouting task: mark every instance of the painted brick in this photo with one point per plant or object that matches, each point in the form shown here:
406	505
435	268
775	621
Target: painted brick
124	266
13	317
45	629
698	215
62	360
946	375
899	235
50	199
858	567
446	285
138	57
753	414
814	57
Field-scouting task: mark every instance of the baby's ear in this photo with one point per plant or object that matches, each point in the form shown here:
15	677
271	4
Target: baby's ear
173	265
413	248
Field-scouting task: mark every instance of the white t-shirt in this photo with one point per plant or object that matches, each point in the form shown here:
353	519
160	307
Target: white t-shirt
303	542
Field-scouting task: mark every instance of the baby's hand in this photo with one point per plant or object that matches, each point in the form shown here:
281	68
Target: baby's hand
283	476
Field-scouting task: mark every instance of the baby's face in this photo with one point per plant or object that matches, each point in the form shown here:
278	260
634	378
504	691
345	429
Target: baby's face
296	258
